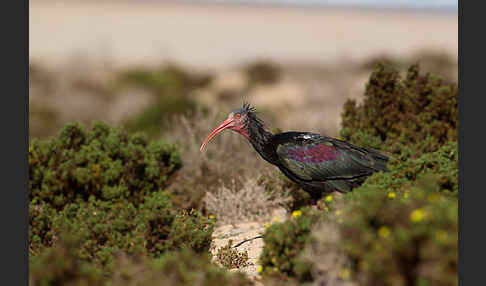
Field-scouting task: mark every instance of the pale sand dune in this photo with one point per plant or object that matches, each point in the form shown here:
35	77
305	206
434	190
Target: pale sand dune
218	36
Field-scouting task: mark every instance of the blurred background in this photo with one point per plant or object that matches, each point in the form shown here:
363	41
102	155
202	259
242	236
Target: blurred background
139	63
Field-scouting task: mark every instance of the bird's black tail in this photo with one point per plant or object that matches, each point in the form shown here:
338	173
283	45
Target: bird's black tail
380	160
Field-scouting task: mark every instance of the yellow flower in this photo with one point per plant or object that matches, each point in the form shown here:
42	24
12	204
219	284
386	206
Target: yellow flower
260	269
296	213
391	195
326	209
405	195
328	198
275	219
384	232
344	274
417	215
338	212
267	225
211	216
30	148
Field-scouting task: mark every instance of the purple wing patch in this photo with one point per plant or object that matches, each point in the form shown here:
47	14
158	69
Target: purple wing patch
313	154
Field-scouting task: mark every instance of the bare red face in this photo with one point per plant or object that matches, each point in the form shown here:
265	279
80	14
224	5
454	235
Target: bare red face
235	121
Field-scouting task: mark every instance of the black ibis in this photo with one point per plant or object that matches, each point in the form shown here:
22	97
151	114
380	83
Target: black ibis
319	164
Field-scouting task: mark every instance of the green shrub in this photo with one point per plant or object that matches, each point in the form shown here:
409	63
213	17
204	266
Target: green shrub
175	268
164	79
105	163
153	228
171	87
419	112
442	164
393	238
285	241
109	228
398	228
60	266
105	188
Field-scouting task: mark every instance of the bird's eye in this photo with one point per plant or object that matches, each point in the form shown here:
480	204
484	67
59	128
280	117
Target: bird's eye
238	115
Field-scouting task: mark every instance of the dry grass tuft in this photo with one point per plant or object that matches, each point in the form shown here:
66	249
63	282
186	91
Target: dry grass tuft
251	202
227	160
230	257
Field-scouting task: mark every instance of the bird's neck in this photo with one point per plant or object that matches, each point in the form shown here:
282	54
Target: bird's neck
258	137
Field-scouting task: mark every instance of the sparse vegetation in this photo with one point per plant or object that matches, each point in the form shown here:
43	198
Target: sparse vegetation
251	202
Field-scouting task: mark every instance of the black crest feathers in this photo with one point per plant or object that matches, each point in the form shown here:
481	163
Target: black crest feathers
252	114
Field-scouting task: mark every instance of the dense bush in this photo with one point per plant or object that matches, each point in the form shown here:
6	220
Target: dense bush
419	111
61	266
406	237
285	241
107	228
442	164
105	188
105	163
183	268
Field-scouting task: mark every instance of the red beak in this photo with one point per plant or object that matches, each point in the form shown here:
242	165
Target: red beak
222	126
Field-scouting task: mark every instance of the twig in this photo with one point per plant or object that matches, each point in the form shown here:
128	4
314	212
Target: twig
246	240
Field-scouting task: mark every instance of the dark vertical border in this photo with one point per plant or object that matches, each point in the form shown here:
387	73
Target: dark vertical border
14	28
461	103
472	171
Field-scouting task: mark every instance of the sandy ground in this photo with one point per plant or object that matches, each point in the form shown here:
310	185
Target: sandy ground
242	231
218	36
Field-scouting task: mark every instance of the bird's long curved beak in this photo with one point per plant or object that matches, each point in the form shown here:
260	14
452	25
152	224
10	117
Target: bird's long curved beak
222	126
